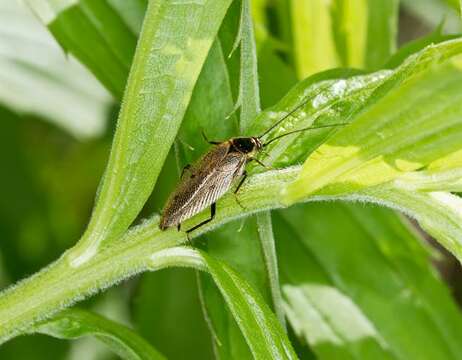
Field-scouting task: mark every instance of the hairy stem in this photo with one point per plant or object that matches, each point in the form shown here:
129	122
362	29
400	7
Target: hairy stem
61	284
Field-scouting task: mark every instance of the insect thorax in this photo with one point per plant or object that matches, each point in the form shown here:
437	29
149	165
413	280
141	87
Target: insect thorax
245	145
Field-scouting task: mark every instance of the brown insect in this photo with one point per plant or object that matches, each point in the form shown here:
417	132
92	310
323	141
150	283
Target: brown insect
203	183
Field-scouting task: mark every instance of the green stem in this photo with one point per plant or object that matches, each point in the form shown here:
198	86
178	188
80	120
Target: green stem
265	229
61	284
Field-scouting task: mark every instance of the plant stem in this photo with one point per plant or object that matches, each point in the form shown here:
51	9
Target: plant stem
265	229
61	284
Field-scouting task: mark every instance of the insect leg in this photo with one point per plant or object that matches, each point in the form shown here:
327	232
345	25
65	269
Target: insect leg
244	176
213	208
262	164
186	167
207	140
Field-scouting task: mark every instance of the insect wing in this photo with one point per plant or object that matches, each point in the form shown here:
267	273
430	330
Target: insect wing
204	184
215	184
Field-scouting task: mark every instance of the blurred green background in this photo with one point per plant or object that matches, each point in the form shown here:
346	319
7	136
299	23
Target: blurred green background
56	126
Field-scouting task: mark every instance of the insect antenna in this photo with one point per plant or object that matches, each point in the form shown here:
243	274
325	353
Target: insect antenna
304	129
299	106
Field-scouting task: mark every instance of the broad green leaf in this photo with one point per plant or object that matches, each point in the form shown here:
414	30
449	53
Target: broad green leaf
388	139
438	212
100	33
75	323
165	69
38	80
354	290
259	325
330	97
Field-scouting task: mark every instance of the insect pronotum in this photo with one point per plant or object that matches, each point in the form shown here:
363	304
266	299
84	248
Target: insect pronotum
207	180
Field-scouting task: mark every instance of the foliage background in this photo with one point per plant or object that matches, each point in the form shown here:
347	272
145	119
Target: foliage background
350	290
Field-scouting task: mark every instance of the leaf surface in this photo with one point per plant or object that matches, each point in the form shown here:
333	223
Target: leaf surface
75	323
388	138
353	290
165	69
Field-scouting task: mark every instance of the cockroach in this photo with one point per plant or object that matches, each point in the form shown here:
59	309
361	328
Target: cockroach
206	181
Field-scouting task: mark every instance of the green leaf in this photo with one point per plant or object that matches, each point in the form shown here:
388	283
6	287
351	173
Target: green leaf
260	327
159	88
38	80
382	31
417	45
330	97
236	244
313	41
75	323
249	93
386	139
438	212
353	290
365	31
97	33
348	33
444	174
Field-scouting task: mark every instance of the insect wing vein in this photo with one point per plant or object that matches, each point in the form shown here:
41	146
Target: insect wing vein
212	187
208	180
